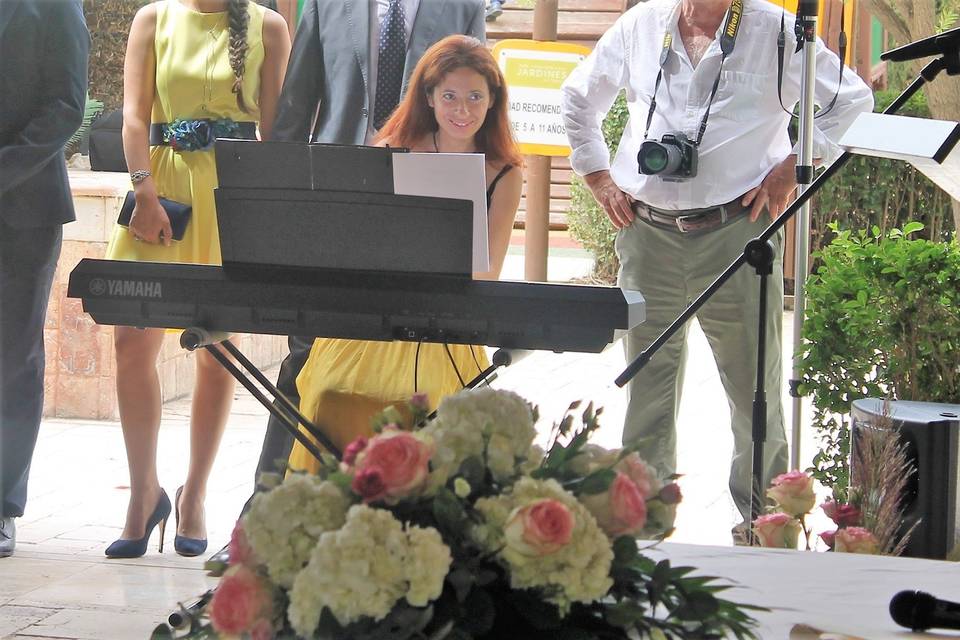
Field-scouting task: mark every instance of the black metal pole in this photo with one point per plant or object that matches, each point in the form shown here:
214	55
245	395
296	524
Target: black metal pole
284	418
760	255
292	411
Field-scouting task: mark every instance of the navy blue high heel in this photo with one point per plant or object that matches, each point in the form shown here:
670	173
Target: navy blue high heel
188	547
138	547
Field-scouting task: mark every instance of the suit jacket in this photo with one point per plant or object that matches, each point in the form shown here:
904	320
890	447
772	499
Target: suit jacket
328	74
43	88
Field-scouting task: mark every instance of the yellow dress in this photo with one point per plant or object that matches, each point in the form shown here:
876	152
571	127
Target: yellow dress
344	383
193	81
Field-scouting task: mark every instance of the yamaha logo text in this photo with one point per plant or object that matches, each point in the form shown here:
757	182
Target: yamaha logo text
127	288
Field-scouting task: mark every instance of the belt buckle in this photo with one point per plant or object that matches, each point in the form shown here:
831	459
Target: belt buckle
679	220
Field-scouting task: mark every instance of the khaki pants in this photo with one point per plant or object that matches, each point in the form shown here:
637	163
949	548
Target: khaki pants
670	269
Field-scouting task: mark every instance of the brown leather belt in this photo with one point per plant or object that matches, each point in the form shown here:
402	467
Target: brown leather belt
690	220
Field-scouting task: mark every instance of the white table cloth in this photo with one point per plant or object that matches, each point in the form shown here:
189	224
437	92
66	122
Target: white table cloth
840	593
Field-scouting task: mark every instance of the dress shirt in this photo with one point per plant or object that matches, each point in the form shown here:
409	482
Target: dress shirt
747	130
410	8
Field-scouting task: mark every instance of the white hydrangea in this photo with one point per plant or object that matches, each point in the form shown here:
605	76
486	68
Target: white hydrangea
471	423
577	572
365	568
284	524
427	564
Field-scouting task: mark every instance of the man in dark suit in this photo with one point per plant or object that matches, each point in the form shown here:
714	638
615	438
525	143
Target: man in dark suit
334	92
43	85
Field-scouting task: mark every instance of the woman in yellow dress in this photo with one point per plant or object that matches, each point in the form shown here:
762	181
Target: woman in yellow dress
456	103
194	70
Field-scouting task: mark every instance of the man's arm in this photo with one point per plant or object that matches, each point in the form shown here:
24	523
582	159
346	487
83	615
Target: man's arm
64	75
854	97
300	97
587	95
478	26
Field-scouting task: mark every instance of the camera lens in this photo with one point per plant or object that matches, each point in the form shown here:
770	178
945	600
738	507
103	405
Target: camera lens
655	157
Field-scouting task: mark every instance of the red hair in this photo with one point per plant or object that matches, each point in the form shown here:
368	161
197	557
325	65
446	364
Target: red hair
414	117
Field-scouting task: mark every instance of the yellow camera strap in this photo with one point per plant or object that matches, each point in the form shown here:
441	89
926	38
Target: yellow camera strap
728	39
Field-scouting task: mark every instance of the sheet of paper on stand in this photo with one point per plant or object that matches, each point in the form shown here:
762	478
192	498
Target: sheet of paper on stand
448	175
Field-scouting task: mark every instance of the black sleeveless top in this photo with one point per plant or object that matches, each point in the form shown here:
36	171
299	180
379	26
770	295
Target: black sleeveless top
493	185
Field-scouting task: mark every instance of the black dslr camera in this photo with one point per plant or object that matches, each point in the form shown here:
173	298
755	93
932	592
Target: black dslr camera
673	158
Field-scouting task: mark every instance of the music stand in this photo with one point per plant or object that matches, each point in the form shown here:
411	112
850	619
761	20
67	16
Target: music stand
315	210
931	146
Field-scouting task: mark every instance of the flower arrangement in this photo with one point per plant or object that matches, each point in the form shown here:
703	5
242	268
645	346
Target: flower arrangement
462	529
868	517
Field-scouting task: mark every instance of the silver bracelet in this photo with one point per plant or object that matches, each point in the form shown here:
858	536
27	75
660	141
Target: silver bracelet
138	176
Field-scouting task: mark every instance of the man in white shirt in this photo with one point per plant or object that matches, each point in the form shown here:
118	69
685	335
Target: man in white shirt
676	235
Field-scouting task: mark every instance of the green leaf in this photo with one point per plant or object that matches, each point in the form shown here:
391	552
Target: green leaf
473	470
625	550
597	482
912	227
624	614
162	632
449	511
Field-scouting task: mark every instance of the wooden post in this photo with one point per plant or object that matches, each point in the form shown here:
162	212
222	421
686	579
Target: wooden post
288	9
536	233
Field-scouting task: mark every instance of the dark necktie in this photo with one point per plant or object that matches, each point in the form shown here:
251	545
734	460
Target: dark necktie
392	51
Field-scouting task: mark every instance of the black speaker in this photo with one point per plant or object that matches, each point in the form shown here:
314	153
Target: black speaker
106	143
930	433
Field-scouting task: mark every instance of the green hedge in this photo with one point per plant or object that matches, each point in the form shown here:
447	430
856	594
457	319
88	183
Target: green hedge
888	194
883	319
109	25
587	222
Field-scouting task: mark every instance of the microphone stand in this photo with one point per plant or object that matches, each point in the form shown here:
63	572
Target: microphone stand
807	16
755	253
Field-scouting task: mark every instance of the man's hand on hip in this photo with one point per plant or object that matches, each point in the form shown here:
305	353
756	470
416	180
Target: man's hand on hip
775	191
617	204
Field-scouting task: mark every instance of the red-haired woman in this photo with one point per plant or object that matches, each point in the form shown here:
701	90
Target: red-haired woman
456	103
194	70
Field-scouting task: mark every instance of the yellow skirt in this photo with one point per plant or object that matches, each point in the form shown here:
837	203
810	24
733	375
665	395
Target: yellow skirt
345	383
190	178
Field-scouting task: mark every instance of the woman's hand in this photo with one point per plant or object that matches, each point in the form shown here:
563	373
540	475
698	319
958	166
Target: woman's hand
149	222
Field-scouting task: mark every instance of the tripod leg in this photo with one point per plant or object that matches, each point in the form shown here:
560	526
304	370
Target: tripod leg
262	398
760	254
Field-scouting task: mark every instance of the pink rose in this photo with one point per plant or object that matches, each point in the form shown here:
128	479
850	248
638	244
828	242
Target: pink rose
793	493
240	601
777	530
240	550
353	450
855	540
420	402
670	494
621	509
540	528
402	460
262	630
636	469
829	538
844	515
369	485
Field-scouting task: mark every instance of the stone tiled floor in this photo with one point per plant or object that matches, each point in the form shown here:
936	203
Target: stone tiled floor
59	585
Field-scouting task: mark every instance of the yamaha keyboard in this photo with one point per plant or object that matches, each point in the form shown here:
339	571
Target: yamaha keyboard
356	304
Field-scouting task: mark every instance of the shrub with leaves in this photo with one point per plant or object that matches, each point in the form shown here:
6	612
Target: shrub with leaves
586	220
883	319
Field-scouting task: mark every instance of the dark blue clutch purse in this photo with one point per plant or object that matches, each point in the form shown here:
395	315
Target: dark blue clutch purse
178	213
